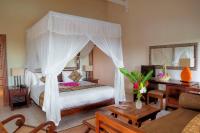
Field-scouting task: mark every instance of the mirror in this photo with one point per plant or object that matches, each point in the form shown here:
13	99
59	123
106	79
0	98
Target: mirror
174	56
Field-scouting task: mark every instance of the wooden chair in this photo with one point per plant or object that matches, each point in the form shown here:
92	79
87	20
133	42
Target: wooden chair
109	124
23	128
159	94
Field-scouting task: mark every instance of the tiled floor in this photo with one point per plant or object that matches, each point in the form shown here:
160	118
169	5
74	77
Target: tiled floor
35	116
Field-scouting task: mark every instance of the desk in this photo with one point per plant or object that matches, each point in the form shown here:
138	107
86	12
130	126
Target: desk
173	89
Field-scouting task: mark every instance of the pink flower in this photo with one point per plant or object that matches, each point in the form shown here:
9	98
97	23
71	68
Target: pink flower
136	85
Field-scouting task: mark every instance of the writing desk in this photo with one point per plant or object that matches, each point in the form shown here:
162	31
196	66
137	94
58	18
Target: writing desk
173	89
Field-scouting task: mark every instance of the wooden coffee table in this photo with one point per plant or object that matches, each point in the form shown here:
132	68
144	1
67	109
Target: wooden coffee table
137	116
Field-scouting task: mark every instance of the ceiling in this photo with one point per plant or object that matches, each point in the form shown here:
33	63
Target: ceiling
120	2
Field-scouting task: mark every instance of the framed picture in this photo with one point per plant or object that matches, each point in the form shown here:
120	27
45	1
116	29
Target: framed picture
74	64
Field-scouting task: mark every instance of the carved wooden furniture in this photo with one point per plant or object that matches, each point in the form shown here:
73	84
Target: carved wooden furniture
173	92
78	109
159	94
47	127
106	123
91	124
173	89
128	110
18	97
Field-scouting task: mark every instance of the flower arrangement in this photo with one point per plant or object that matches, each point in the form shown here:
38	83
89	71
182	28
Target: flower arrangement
163	75
140	81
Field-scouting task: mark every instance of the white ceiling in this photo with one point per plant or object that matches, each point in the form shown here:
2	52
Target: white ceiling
120	2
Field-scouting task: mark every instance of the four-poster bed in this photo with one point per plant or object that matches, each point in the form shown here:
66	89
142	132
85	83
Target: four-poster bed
55	40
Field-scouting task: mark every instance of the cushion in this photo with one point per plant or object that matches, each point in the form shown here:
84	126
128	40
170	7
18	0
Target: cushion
193	126
43	78
60	79
38	77
65	76
2	129
75	76
174	122
189	101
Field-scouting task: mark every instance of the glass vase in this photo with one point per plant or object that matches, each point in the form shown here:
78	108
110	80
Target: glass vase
138	104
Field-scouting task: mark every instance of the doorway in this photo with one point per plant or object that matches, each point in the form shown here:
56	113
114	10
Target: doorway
3	71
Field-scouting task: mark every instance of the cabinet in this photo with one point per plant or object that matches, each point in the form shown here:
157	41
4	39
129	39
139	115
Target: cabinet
18	97
173	92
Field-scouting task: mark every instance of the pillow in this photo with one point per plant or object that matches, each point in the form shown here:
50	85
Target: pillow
193	126
43	79
38	77
189	101
65	76
75	76
73	84
60	79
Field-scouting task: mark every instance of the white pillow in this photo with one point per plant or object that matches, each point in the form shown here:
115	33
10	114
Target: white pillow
82	76
38	76
65	76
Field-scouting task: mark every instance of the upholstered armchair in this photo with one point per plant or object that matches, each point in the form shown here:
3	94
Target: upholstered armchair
47	127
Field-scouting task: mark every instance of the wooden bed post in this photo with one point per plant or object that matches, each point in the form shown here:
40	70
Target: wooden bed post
3	68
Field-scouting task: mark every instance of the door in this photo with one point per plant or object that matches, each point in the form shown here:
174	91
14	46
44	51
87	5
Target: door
3	71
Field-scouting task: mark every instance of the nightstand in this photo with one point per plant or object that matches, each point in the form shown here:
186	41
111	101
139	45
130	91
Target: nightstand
92	80
18	97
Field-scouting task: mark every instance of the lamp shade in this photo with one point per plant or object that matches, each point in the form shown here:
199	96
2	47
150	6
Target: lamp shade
17	71
87	68
185	62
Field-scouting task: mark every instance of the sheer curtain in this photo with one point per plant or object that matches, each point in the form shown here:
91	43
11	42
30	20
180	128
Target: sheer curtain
57	38
112	48
62	49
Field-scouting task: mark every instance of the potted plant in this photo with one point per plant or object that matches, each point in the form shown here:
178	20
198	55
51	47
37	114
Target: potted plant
139	82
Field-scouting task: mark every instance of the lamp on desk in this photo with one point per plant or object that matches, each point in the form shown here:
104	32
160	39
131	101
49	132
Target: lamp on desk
87	70
186	74
17	73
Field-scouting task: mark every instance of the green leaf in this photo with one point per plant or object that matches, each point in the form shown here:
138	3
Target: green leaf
147	77
137	75
126	73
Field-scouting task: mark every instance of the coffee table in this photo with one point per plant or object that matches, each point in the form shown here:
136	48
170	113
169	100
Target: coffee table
129	111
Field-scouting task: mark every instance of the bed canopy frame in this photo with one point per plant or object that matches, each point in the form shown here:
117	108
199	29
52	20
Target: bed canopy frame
57	38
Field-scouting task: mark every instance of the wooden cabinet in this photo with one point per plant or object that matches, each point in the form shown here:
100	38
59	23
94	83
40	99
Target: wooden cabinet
18	97
173	92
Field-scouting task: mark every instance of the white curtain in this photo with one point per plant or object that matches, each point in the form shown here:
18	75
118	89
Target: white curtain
57	38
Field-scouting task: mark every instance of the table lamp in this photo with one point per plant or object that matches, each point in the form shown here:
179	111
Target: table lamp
186	74
87	69
17	73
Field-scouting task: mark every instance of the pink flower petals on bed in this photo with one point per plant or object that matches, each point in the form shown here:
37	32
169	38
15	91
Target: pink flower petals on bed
73	84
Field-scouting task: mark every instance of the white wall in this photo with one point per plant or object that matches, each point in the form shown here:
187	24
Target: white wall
155	22
16	16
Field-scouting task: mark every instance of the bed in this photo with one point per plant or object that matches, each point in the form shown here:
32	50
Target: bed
78	100
57	38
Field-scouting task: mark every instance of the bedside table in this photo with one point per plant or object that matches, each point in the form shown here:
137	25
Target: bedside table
92	80
18	97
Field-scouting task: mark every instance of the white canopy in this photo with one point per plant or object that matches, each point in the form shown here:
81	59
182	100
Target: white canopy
57	38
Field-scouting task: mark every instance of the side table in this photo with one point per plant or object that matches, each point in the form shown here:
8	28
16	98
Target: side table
18	97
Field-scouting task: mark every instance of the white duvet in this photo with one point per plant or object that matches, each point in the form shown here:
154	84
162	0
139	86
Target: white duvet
79	97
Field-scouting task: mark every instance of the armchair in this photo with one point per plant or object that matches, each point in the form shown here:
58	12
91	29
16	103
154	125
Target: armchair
110	124
47	127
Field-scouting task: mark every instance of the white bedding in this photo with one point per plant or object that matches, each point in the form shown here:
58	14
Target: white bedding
79	97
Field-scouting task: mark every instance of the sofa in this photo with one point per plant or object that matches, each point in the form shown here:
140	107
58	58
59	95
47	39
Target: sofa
182	120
